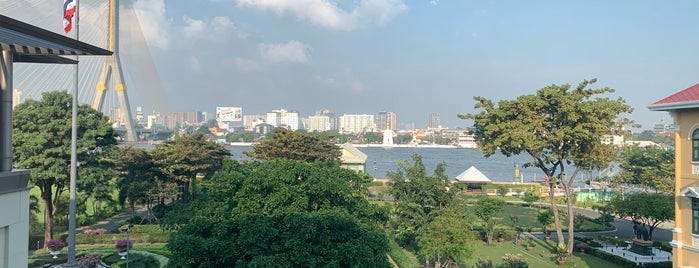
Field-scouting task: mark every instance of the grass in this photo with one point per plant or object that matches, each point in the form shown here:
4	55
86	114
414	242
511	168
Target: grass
541	256
402	257
108	252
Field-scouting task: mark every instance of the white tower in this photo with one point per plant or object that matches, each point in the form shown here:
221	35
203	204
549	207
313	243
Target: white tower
387	136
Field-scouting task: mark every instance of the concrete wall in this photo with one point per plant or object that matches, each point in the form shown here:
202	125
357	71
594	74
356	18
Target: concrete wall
14	228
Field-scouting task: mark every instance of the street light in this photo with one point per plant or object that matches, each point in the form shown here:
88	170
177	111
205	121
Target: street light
128	242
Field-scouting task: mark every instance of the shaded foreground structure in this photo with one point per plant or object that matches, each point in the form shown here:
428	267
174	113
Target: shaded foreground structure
21	42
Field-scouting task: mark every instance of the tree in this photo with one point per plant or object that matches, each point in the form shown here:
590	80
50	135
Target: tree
417	197
556	126
203	130
183	158
487	209
530	197
95	182
652	167
137	177
647	209
41	131
545	218
288	144
281	213
447	236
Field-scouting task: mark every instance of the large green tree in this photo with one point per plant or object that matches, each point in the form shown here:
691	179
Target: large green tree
281	213
447	237
488	209
41	131
557	126
183	158
648	209
295	145
418	197
651	167
137	177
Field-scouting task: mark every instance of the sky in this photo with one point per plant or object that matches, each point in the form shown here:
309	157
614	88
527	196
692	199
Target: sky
415	57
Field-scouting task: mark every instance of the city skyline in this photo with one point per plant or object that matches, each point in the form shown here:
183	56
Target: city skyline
412	57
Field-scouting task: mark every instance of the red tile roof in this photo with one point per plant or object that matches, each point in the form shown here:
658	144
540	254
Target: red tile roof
685	95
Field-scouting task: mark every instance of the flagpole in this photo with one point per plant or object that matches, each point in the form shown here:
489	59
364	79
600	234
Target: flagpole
73	153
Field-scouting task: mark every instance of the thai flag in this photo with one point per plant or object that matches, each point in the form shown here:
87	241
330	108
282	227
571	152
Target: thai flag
68	12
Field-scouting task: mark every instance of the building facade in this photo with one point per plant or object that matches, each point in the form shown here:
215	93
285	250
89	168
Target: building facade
386	120
283	117
434	121
318	123
356	123
250	120
683	106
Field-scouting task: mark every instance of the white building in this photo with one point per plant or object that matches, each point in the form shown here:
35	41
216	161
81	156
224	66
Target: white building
283	117
356	123
16	97
318	123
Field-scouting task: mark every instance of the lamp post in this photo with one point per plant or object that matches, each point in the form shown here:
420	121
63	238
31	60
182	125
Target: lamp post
128	242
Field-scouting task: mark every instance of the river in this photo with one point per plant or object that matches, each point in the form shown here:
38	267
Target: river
382	160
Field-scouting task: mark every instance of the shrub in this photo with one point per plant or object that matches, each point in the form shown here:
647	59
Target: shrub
123	245
618	260
484	264
89	260
513	261
55	245
134	220
581	246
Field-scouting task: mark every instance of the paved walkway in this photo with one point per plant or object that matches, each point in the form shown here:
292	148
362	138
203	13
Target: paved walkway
113	223
624	228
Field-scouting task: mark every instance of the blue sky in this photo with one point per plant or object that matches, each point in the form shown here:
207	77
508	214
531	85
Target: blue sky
415	57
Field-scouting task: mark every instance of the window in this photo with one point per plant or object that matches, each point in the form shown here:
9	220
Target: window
695	145
695	216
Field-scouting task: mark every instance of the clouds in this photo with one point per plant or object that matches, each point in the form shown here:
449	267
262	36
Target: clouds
329	15
292	51
159	30
218	27
155	26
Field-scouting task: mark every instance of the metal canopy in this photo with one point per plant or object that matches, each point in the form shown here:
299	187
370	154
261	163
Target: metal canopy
29	43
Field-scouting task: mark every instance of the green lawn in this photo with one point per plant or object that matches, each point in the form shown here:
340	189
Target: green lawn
41	257
541	256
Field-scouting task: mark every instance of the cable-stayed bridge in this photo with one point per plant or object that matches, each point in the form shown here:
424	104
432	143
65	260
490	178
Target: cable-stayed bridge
128	80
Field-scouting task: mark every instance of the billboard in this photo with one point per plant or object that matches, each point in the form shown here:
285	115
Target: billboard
229	114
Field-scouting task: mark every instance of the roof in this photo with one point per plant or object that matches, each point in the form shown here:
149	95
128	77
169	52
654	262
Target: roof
686	98
352	155
472	175
29	43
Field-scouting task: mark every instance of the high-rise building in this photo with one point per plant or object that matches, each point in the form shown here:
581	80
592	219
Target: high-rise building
318	123
16	97
330	115
191	118
386	120
356	123
283	117
434	121
250	120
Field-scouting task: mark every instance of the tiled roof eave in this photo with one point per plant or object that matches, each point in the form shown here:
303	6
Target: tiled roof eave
674	106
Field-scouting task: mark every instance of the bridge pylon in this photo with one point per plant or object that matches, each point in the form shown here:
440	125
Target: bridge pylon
112	66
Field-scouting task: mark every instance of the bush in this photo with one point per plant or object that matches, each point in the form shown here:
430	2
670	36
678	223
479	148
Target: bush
618	260
513	261
664	246
484	264
134	220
